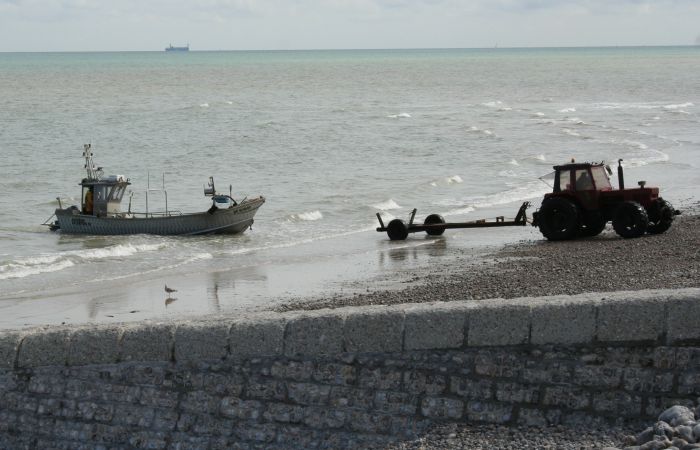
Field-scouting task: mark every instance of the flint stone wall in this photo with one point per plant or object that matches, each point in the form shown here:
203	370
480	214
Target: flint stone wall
353	377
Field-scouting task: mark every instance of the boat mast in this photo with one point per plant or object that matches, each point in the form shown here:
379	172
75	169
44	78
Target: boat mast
93	173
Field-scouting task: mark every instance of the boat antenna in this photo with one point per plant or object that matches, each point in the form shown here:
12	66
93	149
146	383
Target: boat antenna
93	172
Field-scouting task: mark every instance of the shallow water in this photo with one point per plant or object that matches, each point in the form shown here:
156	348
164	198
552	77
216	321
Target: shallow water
329	138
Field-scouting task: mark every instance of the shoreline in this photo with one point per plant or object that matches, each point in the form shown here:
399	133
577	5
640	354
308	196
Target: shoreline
605	263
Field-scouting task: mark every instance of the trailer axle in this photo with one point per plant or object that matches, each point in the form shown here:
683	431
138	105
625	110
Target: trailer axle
435	225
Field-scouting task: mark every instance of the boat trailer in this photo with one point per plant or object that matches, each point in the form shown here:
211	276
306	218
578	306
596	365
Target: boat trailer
435	224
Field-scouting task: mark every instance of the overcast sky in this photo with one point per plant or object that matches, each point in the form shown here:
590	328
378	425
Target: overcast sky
94	25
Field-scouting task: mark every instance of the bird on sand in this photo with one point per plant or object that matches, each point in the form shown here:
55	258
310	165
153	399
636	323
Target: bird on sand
169	290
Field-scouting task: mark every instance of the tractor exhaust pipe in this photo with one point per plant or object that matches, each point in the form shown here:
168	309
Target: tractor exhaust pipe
620	174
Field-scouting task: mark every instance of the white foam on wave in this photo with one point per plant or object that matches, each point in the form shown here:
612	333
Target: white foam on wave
539	114
507	174
525	191
679	106
505	108
386	205
204	105
635	144
399	116
308	216
567	110
576	121
12	270
493	104
52	263
454	179
460	211
229	102
513	162
655	156
540	157
570	132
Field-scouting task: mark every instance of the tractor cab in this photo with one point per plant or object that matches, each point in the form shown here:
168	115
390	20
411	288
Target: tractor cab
582	177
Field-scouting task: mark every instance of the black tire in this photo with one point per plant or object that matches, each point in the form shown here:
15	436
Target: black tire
630	220
661	215
592	225
397	230
431	220
558	219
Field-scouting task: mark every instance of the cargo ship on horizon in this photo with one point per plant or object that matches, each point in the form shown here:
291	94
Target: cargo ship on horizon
170	48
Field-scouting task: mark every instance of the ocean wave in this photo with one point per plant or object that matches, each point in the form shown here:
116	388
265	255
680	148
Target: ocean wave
493	104
570	132
454	179
513	162
656	156
538	114
567	110
523	192
635	144
204	105
386	205
399	116
308	216
507	174
52	263
460	211
679	106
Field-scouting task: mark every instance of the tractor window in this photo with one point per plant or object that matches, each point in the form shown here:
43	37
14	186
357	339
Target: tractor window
583	180
600	178
565	180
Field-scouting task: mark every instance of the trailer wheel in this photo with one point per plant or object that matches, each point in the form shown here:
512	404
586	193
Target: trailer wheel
397	230
661	214
558	219
434	219
630	220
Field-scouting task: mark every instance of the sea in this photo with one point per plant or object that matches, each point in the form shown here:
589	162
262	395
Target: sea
330	139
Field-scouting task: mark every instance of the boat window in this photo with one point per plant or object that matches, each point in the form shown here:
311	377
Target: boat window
100	193
600	178
117	193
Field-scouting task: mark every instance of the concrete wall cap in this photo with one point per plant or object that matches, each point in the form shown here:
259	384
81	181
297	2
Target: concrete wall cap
94	345
44	347
373	330
314	333
148	341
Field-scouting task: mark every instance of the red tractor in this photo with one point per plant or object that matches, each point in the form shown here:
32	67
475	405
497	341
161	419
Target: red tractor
583	201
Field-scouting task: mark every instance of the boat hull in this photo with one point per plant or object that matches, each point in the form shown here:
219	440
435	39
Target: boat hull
231	220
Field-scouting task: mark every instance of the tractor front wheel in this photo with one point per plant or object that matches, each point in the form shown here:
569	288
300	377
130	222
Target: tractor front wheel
661	214
397	230
432	220
558	219
630	220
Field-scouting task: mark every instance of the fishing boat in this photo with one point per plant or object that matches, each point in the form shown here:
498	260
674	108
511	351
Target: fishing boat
100	210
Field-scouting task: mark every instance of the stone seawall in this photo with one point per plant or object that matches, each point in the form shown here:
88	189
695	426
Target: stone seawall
352	377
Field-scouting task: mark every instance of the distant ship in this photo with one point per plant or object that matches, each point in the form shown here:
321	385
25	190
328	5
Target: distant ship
170	48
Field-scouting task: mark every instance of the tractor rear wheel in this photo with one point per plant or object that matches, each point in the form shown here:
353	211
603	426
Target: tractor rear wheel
558	219
661	214
432	220
397	230
592	225
630	220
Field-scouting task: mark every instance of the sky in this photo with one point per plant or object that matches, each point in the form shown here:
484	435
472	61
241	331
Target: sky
117	25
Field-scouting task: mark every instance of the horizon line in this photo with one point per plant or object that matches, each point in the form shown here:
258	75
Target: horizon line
496	47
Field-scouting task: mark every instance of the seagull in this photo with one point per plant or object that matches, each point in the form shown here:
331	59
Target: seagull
169	290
